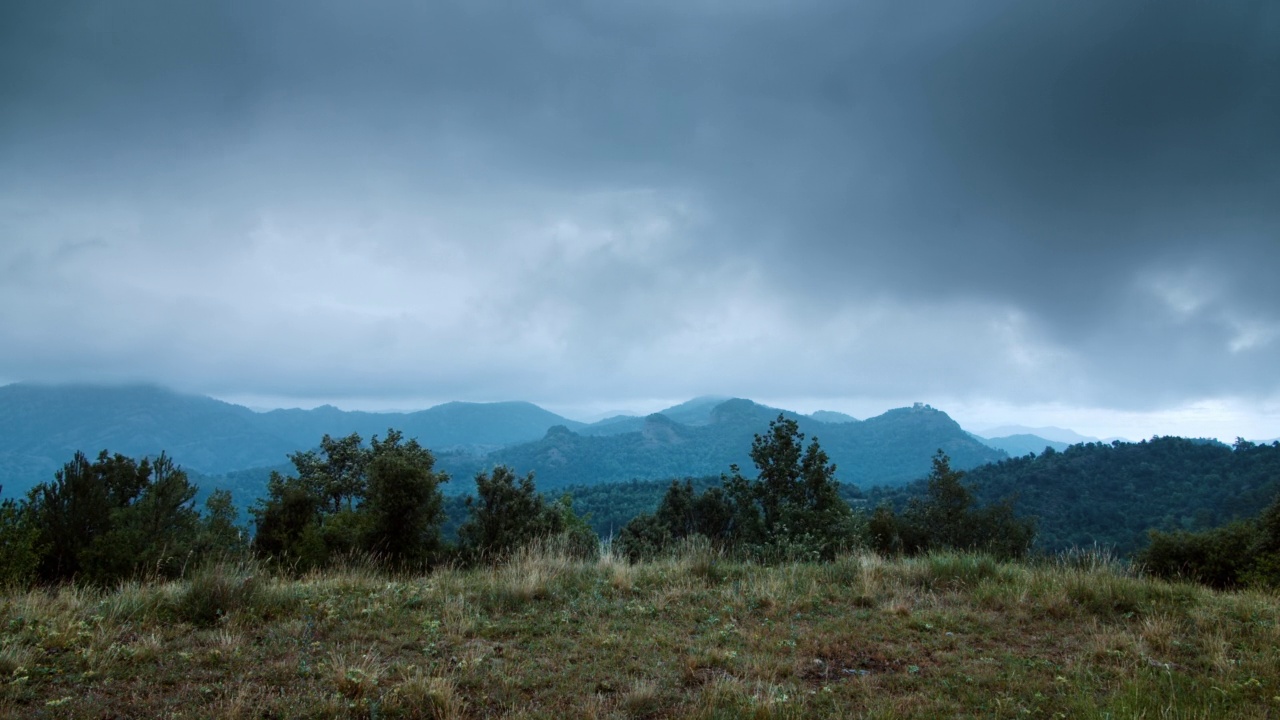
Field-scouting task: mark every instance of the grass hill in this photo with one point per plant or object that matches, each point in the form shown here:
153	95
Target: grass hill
691	636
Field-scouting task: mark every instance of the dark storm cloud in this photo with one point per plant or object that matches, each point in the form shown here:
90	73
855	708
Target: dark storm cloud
1078	202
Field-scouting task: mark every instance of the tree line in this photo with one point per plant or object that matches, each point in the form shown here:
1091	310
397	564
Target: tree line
117	518
793	508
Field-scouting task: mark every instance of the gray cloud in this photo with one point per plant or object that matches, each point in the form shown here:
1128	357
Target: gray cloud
1020	202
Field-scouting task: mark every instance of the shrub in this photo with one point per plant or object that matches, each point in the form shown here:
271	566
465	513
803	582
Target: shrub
1217	557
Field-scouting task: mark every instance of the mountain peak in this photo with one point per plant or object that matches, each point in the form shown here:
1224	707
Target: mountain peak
659	429
737	409
697	411
559	431
832	417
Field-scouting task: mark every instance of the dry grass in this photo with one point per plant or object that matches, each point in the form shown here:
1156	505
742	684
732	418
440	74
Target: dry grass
692	635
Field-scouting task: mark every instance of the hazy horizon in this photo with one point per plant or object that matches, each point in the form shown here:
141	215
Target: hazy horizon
981	421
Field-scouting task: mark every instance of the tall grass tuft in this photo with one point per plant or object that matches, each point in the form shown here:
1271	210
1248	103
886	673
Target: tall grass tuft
952	570
532	571
642	700
356	677
1093	558
700	558
427	697
216	591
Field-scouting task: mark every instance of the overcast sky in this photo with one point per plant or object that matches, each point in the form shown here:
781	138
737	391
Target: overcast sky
1042	213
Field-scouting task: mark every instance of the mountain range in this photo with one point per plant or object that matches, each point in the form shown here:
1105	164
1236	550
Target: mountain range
41	427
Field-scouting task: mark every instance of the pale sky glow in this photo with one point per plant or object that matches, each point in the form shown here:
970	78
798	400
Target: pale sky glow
1020	213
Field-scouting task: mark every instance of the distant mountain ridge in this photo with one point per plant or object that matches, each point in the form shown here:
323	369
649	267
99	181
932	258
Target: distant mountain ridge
1022	444
893	448
1055	434
41	427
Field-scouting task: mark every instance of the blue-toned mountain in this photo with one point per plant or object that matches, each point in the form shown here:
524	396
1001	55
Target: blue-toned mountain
42	426
890	449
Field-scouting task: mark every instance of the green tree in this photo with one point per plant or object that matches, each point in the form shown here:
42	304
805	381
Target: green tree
19	556
645	536
946	519
403	506
574	531
112	519
883	531
310	518
682	513
154	532
794	501
506	513
678	510
68	515
1217	557
286	522
220	535
1244	552
943	515
346	498
336	473
1264	569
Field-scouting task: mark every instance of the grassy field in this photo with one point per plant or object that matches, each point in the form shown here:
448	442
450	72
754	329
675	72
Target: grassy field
693	636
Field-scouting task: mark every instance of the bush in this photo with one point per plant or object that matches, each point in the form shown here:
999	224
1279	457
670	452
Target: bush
643	538
1240	553
1217	557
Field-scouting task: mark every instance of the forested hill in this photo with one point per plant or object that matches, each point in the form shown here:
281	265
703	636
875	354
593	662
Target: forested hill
892	448
1111	494
41	427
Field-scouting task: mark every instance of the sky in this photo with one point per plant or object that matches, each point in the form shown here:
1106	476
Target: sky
1019	212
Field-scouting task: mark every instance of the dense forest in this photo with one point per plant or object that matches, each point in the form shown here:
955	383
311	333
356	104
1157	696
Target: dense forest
1112	494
